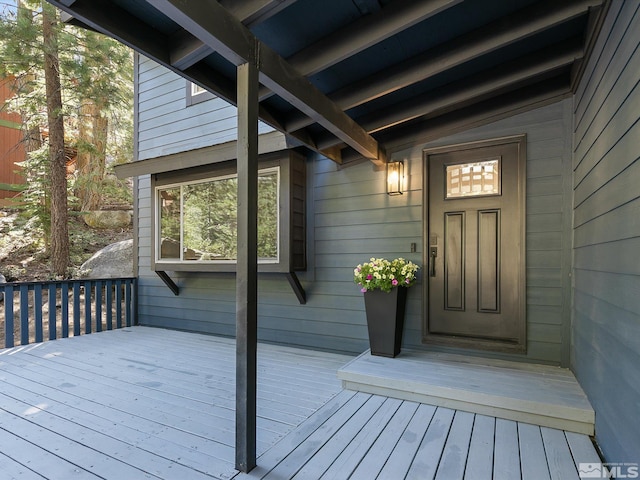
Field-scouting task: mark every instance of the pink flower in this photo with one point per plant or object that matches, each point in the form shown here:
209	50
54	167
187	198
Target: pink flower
394	282
363	289
407	281
369	277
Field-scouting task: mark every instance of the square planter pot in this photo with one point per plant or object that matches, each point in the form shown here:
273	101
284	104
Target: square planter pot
385	320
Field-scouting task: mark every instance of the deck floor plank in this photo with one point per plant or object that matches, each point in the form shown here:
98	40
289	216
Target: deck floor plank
283	448
13	470
39	459
560	461
318	465
533	460
429	453
400	460
373	462
303	452
582	449
506	457
173	444
150	403
480	457
350	457
456	449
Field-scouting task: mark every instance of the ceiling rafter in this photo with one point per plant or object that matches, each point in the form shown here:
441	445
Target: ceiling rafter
491	110
507	30
362	34
216	27
252	12
466	90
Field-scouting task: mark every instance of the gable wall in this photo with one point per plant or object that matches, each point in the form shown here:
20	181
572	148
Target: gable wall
351	218
606	183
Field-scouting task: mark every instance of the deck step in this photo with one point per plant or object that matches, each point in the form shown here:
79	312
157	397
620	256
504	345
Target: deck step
538	394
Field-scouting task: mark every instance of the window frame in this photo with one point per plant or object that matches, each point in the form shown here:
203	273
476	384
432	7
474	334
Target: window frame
194	97
160	181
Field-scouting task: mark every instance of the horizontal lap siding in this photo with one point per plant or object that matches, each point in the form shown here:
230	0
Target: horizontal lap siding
351	218
606	325
166	125
354	219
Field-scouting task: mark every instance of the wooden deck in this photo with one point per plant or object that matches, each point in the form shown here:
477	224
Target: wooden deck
149	403
538	394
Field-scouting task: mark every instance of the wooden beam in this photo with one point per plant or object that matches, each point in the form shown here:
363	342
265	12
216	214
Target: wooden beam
362	34
211	23
365	32
524	23
252	12
189	50
247	268
477	87
483	113
505	31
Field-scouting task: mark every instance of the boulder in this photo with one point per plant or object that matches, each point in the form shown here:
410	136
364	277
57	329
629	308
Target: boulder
2	280
113	261
108	219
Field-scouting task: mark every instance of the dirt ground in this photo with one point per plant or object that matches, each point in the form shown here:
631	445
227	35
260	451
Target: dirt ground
23	255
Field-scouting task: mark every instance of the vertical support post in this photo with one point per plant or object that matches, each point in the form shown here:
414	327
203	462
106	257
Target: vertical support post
247	268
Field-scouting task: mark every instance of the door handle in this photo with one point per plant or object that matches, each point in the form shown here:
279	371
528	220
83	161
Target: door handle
433	253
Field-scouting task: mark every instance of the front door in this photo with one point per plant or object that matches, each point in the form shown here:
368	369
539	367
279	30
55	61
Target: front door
475	245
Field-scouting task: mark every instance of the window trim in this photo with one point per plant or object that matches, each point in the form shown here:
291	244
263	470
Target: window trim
196	174
192	97
157	212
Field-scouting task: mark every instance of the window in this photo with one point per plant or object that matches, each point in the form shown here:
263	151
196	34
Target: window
198	220
195	216
473	179
196	94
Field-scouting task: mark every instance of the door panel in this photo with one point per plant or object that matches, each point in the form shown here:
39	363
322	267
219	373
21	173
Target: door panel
476	247
454	264
489	261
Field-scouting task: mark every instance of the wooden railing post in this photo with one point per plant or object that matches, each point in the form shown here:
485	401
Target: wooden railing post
37	311
24	315
8	316
53	292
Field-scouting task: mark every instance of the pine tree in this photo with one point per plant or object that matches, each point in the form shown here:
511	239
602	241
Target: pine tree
87	107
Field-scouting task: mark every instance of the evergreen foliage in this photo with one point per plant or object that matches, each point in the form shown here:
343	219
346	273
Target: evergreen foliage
96	88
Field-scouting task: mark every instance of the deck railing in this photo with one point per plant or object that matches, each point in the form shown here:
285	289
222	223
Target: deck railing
35	311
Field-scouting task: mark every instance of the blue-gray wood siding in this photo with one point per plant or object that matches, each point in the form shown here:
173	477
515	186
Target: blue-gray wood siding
606	316
351	218
167	125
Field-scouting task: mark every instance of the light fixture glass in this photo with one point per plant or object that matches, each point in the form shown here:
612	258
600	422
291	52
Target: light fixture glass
395	177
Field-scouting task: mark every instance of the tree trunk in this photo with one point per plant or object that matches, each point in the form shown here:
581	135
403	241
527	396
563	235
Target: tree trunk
96	166
57	163
93	129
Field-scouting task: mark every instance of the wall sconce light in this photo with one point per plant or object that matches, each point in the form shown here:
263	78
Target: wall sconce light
395	177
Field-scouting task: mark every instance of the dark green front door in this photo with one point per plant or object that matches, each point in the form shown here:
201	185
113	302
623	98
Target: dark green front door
475	246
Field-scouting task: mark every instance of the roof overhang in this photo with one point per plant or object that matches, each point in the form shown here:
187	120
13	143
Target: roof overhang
354	79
